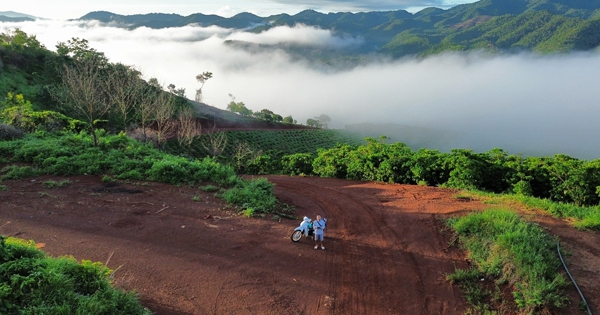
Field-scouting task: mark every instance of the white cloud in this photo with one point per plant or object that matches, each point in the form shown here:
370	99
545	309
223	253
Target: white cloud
522	103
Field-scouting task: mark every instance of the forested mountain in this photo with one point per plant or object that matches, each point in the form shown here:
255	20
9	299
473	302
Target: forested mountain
542	26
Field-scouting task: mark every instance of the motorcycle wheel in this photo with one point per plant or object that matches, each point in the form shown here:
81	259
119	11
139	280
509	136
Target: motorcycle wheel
296	236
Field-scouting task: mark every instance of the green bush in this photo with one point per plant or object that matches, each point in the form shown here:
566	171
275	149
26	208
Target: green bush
297	164
256	194
31	283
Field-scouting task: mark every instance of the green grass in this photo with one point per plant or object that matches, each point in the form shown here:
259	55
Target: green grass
583	218
33	283
512	252
54	184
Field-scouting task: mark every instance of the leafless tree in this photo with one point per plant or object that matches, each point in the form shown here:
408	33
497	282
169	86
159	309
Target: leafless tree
188	127
84	91
214	142
164	109
125	86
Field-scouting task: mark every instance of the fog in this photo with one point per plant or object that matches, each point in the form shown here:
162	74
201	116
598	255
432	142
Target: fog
522	103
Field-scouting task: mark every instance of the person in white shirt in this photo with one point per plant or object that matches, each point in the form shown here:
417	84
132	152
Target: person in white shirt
319	227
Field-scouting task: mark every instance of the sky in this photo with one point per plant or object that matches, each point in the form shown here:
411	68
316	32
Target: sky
521	103
71	9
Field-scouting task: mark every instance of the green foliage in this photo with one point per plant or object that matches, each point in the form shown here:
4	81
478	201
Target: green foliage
256	194
297	164
55	184
17	172
512	251
31	283
19	113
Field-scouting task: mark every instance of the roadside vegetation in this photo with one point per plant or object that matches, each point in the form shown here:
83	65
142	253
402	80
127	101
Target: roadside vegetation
33	283
508	253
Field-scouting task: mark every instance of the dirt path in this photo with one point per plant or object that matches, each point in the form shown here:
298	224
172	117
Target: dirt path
184	254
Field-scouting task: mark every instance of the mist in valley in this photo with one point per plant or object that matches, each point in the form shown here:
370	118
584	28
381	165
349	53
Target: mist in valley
521	103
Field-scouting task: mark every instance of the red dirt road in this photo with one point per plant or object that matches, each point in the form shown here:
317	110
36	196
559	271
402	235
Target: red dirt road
386	251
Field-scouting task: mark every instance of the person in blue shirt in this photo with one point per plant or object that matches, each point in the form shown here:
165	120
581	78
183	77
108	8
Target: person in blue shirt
319	227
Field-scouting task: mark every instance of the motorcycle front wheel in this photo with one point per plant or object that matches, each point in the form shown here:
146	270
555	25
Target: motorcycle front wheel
296	236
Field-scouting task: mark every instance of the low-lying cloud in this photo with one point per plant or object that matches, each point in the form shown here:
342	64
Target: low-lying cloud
521	103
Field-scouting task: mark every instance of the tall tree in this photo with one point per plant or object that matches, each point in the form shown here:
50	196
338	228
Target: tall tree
202	78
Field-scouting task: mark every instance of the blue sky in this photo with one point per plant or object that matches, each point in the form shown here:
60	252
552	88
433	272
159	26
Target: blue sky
70	9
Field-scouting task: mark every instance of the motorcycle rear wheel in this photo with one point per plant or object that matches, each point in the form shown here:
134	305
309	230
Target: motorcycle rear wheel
296	236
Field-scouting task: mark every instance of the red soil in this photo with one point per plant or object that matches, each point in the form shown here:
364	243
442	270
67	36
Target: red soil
183	252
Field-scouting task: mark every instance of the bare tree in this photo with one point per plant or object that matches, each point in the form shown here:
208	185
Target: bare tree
214	142
164	109
84	91
144	110
244	155
188	127
202	78
125	86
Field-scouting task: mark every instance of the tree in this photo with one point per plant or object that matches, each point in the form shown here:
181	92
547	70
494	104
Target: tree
175	91
78	49
202	78
289	120
313	123
125	87
188	127
238	108
84	91
265	114
164	109
323	120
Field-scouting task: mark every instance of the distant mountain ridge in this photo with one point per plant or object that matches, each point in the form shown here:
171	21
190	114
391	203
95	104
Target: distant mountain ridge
543	26
11	16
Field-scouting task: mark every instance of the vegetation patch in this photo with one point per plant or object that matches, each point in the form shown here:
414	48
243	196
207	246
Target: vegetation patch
583	218
33	283
508	252
54	184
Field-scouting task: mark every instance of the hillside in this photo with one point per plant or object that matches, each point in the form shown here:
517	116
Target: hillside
543	26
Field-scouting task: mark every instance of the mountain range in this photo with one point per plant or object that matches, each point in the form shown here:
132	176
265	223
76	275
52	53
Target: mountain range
541	26
11	16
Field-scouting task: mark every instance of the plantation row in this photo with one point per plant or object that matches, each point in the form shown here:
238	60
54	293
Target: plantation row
276	142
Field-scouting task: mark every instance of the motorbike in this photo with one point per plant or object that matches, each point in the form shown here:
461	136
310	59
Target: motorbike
305	229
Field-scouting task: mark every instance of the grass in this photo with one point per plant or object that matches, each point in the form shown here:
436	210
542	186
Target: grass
54	184
512	252
583	218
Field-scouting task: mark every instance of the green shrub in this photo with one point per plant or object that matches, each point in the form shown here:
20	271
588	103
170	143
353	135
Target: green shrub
256	194
31	283
296	164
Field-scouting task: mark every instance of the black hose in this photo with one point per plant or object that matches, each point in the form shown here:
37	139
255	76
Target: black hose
573	280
